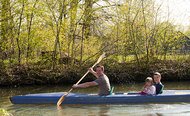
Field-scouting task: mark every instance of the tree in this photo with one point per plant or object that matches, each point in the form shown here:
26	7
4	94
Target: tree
5	28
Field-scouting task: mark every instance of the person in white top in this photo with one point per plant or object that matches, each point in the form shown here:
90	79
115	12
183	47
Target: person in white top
149	88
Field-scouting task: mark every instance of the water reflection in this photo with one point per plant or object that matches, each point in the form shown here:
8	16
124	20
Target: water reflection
104	111
101	110
89	110
125	110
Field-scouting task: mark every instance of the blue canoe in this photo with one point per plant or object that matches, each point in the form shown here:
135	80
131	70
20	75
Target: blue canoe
168	96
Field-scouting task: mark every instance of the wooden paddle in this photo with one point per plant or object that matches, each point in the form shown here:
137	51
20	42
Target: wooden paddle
63	96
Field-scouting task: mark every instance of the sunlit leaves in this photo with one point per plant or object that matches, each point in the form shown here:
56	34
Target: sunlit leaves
85	27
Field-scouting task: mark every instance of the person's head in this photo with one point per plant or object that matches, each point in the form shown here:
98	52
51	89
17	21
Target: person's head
157	77
148	81
100	70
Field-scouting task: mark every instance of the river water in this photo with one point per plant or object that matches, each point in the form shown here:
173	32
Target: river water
174	109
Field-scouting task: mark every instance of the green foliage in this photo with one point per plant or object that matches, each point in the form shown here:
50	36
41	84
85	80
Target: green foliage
81	30
4	113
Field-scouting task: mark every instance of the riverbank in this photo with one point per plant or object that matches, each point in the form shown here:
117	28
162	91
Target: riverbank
128	72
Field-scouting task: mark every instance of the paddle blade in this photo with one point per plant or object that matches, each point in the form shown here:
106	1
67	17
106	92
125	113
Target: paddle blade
61	100
63	97
101	57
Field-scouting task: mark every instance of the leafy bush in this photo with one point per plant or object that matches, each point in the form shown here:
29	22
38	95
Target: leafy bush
4	113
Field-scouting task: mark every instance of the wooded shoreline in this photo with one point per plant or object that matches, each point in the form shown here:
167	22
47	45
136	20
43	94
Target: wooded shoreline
56	41
118	73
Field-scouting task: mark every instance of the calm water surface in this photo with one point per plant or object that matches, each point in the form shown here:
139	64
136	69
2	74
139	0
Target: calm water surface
175	109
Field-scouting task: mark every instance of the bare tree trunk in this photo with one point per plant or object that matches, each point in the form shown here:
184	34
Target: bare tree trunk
133	33
87	17
12	36
153	35
117	33
29	31
82	45
146	35
58	29
18	32
73	26
86	24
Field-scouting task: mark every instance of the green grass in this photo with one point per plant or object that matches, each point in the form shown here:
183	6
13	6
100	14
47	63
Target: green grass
118	58
129	58
176	57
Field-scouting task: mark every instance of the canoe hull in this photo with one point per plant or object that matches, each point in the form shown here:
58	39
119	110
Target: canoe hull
168	96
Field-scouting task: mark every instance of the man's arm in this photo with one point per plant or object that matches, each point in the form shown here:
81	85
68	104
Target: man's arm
93	72
85	85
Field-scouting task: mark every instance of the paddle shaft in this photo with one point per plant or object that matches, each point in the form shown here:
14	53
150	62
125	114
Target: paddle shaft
76	83
79	80
86	74
62	97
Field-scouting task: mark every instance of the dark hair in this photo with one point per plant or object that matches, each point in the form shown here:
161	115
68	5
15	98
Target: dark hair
100	66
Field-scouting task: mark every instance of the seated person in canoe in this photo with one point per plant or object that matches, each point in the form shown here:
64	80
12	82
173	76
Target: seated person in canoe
102	81
149	88
157	83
